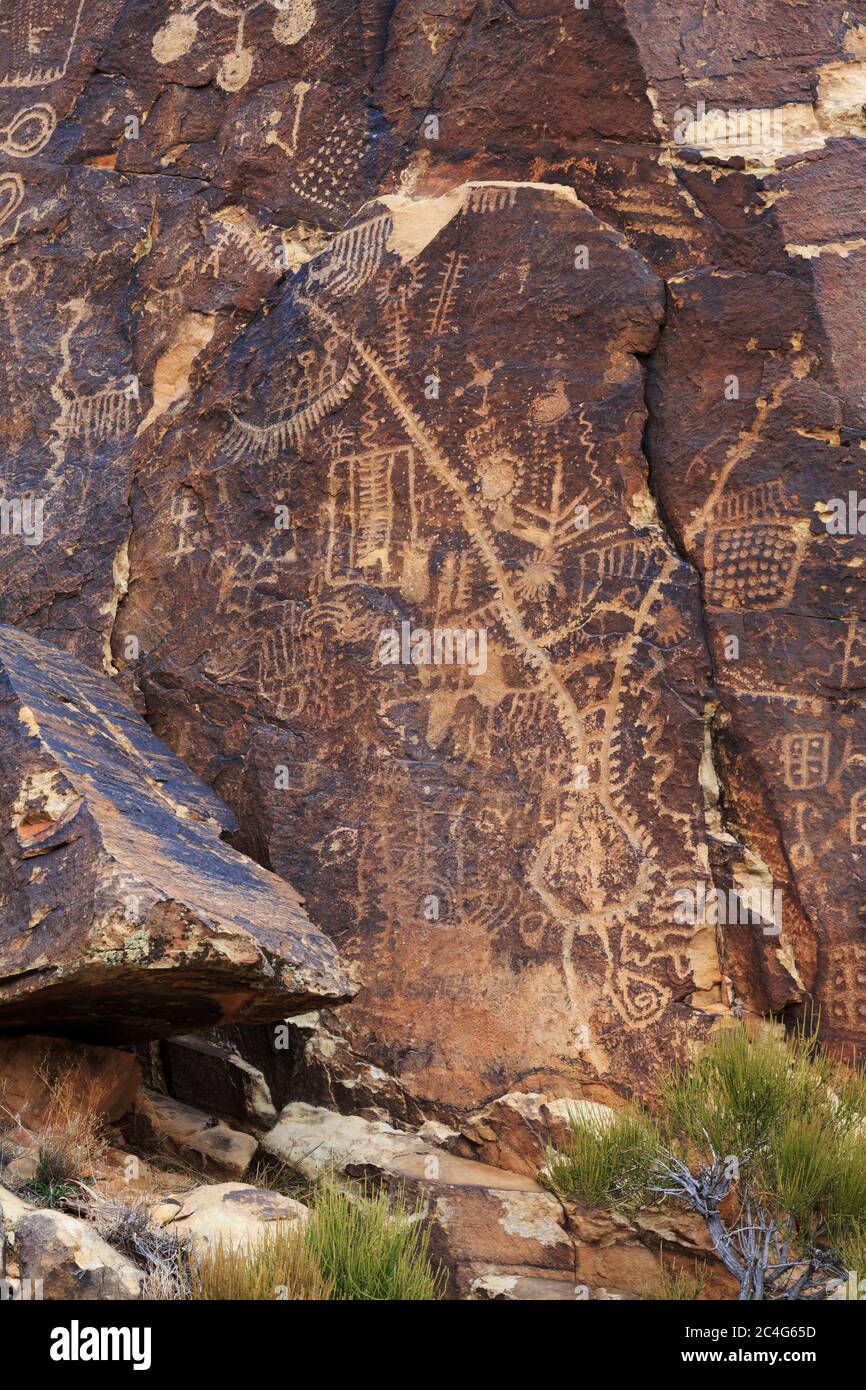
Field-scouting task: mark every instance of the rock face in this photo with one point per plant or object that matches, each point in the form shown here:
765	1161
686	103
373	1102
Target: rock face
474	614
575	388
752	507
106	1079
123	911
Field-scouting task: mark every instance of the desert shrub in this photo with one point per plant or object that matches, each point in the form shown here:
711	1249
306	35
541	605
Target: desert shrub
57	1170
372	1247
763	1137
128	1226
606	1160
736	1093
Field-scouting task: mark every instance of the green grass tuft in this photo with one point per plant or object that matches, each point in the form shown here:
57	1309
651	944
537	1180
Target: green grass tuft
605	1160
372	1248
352	1248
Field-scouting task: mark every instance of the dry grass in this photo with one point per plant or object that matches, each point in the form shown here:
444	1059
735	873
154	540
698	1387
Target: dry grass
69	1141
280	1264
676	1286
127	1225
278	1176
368	1248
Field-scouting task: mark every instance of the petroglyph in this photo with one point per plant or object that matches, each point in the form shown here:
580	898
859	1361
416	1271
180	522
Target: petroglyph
354	257
331	162
239	233
181	31
526	808
319	391
806	760
534	554
89	416
437	427
11	196
29	131
41	38
16	279
752	556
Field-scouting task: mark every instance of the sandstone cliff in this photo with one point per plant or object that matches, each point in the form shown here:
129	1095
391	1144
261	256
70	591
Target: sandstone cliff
443	425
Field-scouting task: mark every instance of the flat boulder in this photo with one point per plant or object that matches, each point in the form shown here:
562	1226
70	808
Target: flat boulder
176	1128
229	1214
123	915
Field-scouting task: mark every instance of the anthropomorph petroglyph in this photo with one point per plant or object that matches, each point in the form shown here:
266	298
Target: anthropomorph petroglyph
86	414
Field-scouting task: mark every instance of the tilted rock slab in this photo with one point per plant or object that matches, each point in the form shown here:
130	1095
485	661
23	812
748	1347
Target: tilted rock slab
489	1226
483	1220
123	914
171	1127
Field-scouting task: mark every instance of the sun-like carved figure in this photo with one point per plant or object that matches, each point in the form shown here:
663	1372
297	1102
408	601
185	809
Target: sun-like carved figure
538	575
